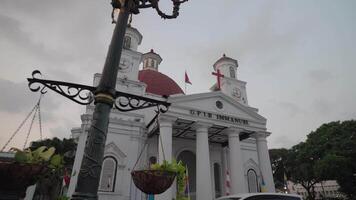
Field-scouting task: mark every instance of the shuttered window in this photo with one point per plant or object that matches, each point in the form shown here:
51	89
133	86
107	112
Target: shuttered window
127	42
252	181
108	175
232	72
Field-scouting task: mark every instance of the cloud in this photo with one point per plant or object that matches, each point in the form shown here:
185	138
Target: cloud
323	107
283	141
13	32
319	76
15	97
290	108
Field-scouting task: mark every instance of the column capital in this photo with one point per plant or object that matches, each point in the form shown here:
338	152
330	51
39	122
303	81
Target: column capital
200	124
234	129
261	135
166	119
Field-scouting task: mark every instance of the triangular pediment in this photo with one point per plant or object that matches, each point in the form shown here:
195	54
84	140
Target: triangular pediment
113	150
216	103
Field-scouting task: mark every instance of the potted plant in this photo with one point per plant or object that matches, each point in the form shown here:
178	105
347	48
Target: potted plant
25	169
160	177
180	170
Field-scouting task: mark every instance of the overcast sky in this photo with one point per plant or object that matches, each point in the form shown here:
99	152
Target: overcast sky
297	57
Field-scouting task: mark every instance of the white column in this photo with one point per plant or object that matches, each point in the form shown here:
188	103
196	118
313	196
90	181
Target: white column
165	142
225	168
264	161
236	163
79	153
203	178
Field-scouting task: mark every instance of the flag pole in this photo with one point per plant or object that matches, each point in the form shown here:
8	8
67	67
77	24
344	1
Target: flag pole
185	82
185	90
187	176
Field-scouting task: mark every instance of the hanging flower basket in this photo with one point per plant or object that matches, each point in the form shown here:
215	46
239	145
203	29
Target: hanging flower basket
153	181
16	177
24	169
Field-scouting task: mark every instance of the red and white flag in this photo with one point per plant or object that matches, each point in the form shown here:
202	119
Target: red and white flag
187	79
227	183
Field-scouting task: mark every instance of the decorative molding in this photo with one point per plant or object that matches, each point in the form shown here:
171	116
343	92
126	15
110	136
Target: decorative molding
251	164
166	119
261	135
202	96
201	124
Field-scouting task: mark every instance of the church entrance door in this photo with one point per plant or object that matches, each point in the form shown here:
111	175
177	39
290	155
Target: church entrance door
188	158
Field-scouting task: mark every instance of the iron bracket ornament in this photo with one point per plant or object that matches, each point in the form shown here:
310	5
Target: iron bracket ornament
129	102
81	94
85	95
134	7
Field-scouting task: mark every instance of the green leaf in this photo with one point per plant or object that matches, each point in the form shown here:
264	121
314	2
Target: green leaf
56	161
46	155
36	153
21	157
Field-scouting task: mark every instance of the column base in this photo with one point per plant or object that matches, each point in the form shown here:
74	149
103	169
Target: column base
84	196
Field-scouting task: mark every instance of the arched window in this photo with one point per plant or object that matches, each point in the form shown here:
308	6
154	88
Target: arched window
145	64
152	63
149	62
217	178
252	181
127	42
232	72
108	174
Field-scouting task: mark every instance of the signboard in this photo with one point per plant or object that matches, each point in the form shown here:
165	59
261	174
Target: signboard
219	117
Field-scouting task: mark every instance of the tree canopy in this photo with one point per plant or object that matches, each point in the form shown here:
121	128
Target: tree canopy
329	153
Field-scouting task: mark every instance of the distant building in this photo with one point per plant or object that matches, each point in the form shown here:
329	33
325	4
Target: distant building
324	189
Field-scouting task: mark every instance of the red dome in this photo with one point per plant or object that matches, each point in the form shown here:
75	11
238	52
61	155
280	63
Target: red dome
158	83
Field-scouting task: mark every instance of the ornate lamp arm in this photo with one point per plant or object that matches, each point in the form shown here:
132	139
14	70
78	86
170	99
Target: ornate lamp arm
135	5
84	95
81	94
175	12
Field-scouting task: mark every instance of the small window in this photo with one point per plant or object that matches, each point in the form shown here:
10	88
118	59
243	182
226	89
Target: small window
127	42
108	175
232	72
152	63
146	64
219	104
149	62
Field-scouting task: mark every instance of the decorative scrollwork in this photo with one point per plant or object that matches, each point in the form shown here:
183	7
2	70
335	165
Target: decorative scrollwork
129	102
134	7
175	12
81	94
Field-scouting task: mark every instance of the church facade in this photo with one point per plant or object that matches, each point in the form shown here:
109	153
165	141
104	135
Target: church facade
217	135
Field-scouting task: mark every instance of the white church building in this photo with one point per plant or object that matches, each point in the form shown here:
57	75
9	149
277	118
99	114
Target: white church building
217	135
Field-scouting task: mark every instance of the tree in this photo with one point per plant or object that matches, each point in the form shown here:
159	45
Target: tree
300	167
334	144
329	153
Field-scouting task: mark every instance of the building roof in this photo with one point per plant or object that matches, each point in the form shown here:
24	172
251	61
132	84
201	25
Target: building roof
158	83
225	58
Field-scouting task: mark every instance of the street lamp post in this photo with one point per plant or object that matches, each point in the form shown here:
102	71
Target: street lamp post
105	96
89	175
